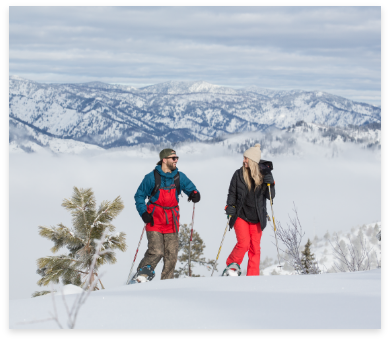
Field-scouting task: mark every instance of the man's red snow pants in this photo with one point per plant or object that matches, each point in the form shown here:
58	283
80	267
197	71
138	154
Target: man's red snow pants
248	239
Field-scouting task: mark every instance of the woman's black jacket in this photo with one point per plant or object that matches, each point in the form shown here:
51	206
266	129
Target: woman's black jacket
237	192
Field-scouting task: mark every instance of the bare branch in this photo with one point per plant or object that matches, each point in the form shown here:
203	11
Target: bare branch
55	316
357	258
292	237
88	286
377	260
37	321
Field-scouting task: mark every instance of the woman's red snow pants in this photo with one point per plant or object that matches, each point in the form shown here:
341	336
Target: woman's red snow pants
248	239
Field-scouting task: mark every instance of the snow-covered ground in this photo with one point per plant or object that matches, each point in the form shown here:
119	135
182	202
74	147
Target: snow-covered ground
326	301
327	183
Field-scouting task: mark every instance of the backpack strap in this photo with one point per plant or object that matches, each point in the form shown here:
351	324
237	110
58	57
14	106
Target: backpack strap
157	185
176	180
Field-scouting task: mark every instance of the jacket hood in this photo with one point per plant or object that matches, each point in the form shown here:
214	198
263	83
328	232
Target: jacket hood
167	175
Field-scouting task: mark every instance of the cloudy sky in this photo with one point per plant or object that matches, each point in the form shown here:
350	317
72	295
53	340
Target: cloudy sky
333	49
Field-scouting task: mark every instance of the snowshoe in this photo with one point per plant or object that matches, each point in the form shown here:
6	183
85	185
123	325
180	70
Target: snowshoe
145	274
233	269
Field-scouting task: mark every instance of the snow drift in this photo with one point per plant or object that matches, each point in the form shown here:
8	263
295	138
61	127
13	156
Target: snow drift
326	301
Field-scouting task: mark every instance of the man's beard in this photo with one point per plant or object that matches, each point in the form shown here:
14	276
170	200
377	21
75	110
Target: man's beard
171	166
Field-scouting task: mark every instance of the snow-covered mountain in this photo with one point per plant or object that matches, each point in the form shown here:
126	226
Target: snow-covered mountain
113	115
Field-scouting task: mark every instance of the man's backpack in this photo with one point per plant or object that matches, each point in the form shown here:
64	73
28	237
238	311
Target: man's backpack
157	180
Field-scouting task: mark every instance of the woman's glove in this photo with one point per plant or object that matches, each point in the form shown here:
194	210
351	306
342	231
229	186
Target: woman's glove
147	218
194	196
230	210
268	179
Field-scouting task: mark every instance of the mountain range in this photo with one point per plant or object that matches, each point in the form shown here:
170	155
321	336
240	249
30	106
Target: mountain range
101	115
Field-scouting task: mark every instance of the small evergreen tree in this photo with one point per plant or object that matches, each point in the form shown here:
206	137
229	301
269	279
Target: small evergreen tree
307	258
197	247
89	225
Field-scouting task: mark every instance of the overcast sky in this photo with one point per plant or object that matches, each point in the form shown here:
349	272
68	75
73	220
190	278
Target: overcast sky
333	49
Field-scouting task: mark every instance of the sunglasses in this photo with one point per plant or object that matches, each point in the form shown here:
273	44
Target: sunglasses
174	158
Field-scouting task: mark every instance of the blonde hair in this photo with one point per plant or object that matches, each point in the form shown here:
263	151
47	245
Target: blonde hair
254	173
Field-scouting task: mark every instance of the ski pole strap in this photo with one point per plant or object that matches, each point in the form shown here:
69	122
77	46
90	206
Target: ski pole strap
169	208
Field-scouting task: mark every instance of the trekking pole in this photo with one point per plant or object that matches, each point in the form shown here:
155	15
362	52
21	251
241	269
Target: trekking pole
189	254
136	252
215	264
273	219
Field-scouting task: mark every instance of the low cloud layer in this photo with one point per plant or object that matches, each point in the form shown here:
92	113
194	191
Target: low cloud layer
334	49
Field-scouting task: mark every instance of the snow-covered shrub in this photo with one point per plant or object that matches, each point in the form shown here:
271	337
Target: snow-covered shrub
291	237
353	253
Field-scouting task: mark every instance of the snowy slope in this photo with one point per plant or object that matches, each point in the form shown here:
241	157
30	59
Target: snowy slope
176	88
323	251
296	139
27	139
291	141
113	115
326	301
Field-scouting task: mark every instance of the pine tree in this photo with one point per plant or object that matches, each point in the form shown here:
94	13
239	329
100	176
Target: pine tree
41	293
89	225
197	247
307	257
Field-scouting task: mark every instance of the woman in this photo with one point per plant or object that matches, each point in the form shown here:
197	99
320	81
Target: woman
246	204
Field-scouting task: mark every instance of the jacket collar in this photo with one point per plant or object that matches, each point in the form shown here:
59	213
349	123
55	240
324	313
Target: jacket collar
167	175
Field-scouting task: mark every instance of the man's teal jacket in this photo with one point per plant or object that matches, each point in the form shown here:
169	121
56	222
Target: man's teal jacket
147	186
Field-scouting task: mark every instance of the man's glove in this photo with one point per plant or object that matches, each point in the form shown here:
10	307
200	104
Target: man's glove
194	196
268	179
147	218
230	210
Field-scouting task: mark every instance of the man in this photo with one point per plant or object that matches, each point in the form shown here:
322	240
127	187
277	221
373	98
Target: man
161	214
